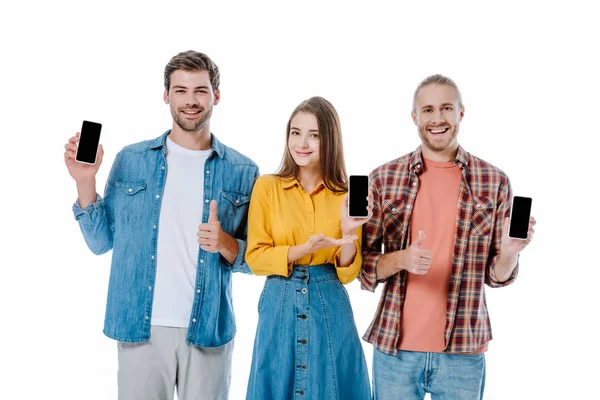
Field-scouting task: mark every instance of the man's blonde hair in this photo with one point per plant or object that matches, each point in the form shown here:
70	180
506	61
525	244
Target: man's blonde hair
438	79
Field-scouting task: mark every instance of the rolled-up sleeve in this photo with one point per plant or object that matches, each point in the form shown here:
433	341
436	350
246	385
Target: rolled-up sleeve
371	243
503	204
349	273
96	221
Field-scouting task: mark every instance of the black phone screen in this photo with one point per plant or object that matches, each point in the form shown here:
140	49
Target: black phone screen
357	197
519	217
89	139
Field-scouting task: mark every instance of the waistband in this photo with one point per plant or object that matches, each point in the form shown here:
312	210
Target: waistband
315	273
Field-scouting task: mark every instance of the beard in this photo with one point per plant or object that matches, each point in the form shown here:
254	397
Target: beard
439	145
192	126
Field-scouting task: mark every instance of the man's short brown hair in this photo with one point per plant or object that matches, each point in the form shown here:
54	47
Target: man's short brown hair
192	61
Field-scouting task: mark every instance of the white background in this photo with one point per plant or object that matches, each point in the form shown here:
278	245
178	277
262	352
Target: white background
528	72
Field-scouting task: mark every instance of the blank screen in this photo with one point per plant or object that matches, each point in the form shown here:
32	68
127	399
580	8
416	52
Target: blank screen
519	220
359	190
88	142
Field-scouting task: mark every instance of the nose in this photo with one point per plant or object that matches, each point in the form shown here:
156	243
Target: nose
191	100
304	141
438	117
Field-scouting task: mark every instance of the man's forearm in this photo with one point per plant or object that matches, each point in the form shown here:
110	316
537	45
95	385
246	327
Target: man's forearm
388	264
230	249
86	193
504	268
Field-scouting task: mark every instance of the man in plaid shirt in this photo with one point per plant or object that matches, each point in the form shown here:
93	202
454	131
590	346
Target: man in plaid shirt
441	215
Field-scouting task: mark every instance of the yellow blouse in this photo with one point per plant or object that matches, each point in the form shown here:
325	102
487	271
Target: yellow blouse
282	215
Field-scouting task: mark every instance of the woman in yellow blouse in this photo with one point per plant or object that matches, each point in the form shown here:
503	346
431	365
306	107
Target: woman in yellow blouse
300	236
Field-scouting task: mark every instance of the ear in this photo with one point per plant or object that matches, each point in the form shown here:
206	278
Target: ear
414	117
166	96
462	113
217	97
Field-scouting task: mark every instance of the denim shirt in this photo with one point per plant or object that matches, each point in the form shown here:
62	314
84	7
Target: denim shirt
126	220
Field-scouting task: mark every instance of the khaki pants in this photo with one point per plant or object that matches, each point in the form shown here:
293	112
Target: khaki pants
152	370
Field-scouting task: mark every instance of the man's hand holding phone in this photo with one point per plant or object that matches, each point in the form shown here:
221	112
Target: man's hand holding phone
84	174
81	172
511	247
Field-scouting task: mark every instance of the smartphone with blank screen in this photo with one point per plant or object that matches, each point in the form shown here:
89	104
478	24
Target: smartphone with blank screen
89	140
358	190
519	218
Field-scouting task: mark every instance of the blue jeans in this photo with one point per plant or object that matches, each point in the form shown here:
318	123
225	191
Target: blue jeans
410	374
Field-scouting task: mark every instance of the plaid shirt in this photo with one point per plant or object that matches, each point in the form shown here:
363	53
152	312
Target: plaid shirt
483	203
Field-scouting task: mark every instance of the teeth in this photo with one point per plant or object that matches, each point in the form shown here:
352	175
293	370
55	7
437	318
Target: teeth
191	112
438	130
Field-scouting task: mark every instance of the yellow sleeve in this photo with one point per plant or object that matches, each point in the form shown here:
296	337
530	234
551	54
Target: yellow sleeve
347	274
262	257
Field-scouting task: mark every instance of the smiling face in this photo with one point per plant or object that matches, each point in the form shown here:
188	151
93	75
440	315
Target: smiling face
304	141
313	145
437	115
191	99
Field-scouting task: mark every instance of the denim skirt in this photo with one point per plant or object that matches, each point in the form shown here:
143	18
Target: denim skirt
307	345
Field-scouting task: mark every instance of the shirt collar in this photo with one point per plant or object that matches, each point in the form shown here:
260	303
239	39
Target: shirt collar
416	158
287	183
160	142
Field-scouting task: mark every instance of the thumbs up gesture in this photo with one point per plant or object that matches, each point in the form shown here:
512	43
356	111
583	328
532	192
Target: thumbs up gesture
211	237
415	259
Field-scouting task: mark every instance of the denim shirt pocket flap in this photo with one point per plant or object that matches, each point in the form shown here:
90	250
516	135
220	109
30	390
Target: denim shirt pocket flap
131	186
236	198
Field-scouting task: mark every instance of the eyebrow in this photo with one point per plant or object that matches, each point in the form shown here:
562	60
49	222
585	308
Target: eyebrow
298	129
185	87
441	105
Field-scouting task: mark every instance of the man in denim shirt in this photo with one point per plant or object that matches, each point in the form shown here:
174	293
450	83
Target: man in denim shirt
174	213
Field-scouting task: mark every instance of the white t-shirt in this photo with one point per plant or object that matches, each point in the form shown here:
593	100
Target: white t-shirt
177	251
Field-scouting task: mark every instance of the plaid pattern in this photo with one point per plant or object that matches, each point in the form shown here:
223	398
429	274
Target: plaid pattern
483	203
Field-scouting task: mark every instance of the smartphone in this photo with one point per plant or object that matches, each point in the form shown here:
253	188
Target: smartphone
89	139
519	218
358	190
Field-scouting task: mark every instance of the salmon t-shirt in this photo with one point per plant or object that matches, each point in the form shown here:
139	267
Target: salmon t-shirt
434	212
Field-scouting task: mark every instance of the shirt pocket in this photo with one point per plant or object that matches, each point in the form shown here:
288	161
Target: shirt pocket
130	199
482	216
393	214
233	211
